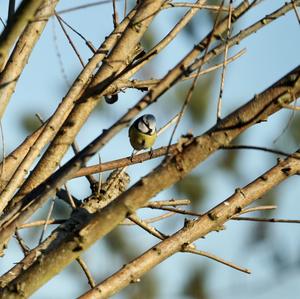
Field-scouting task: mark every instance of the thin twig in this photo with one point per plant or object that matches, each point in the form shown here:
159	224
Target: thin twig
256	209
260	148
159	152
215	258
76	150
42	222
115	14
291	107
89	5
219	105
100	177
87	42
61	221
178	211
3	23
259	219
86	271
296	11
288	123
149	220
146	84
168	124
171	202
191	89
47	219
119	163
213	8
59	57
70	197
22	244
69	39
151	230
192	213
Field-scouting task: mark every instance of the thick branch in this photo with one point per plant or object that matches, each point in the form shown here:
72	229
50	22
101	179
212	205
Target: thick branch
61	113
195	229
116	61
176	73
24	14
23	49
191	153
116	183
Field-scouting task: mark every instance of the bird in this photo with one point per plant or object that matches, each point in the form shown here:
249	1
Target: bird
142	133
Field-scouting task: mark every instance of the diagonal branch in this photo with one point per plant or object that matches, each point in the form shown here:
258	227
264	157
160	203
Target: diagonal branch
190	249
116	183
61	112
24	14
195	229
178	71
115	62
258	109
22	50
61	253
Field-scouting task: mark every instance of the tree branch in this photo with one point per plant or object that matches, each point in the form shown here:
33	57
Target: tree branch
61	113
192	153
195	229
24	14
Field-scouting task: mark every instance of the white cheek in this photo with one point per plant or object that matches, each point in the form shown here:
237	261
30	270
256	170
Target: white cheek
142	127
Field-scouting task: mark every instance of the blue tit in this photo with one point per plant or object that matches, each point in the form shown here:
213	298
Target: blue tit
142	133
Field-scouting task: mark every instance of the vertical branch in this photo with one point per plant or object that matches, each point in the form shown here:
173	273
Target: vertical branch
191	89
115	14
219	105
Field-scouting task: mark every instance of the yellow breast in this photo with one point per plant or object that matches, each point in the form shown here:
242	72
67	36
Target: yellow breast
139	140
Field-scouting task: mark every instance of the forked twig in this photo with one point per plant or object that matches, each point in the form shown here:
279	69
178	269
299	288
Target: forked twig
69	38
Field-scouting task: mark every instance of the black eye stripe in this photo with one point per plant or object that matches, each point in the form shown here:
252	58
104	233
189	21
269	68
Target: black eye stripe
147	125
